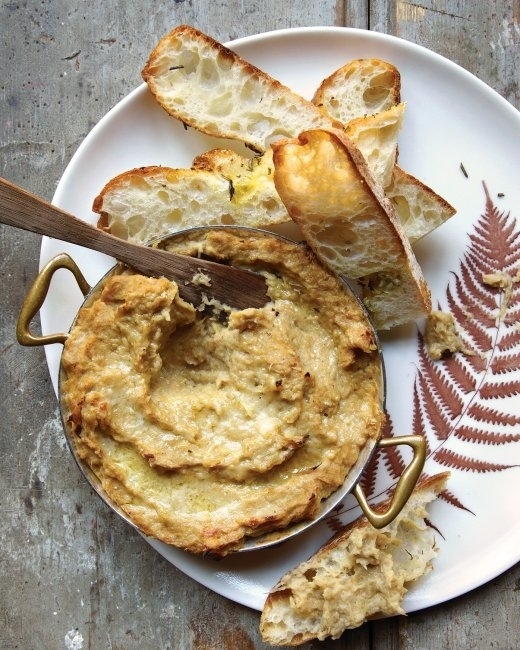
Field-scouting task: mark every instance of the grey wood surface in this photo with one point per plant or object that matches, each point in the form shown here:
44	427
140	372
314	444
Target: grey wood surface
71	574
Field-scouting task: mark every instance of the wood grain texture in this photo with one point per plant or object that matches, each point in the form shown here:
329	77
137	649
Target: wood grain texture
72	574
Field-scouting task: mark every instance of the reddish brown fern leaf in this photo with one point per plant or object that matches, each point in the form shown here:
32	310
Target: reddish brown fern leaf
477	362
472	293
480	258
513	259
433	418
472	323
335	524
474	298
459	374
449	396
477	263
370	471
479	334
496	390
496	235
388	427
479	436
449	497
505	363
437	385
481	261
435	528
418	424
492	416
393	461
368	478
436	391
514	300
509	340
451	459
512	317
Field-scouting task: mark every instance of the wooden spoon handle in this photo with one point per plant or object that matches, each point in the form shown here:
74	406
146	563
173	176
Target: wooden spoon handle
232	286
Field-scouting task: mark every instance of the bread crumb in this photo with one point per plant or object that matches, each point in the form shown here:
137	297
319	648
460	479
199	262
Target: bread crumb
498	279
504	281
201	279
441	336
218	308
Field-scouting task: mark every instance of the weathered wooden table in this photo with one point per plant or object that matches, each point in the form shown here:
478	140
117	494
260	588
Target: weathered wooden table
71	574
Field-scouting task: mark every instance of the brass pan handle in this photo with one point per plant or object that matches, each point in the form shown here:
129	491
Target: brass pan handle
405	485
36	297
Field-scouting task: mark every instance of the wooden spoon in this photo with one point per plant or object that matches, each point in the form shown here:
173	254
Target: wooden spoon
230	285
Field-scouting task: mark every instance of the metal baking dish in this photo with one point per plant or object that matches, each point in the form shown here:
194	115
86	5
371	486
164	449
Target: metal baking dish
35	299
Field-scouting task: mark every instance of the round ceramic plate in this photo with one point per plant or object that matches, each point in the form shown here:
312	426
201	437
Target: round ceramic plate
460	138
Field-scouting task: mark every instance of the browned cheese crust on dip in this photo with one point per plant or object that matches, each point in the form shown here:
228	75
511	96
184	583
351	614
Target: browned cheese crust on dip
207	430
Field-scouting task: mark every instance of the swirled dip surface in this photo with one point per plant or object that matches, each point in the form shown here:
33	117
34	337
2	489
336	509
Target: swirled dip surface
206	430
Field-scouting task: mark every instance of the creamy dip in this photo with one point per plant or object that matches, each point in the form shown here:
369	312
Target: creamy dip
208	429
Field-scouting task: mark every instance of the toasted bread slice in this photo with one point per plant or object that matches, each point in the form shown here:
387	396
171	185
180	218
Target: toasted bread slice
360	573
146	203
328	190
360	87
418	207
206	85
375	136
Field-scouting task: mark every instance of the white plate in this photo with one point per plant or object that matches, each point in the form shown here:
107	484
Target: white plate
452	118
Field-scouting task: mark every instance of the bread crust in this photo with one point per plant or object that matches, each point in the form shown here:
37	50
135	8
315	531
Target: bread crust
346	95
200	81
419	208
376	137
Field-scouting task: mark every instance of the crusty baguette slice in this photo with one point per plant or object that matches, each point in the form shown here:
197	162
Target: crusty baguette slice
145	203
360	573
360	87
420	209
206	85
328	190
